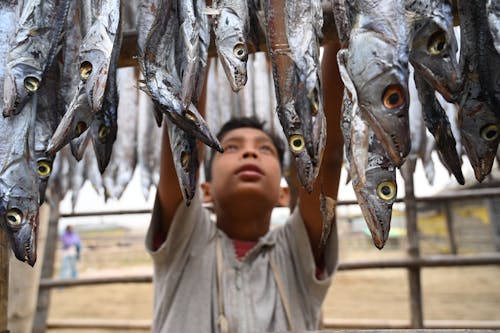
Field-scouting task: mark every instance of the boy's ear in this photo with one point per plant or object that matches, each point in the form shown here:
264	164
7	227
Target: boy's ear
207	196
284	199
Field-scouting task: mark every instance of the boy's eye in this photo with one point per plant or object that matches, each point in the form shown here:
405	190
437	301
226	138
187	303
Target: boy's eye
266	148
230	148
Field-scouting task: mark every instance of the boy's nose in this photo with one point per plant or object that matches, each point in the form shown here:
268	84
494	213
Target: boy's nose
250	153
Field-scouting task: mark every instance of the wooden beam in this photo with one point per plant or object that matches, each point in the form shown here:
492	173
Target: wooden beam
128	53
427	261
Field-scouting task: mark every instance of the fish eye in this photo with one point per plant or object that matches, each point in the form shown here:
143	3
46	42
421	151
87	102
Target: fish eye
240	51
85	69
185	157
436	43
80	128
297	142
14	217
386	190
102	134
490	132
189	115
393	97
31	83
43	168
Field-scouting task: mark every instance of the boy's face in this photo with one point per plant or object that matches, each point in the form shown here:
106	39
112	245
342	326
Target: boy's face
248	166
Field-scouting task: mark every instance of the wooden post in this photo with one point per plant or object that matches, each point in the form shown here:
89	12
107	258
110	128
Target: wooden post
449	226
417	320
4	279
43	302
495	221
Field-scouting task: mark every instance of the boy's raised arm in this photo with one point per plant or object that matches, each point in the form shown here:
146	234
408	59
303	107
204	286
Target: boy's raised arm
169	195
329	175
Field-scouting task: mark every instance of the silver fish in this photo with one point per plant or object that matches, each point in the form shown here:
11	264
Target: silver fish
120	169
376	189
434	46
185	156
299	109
478	118
34	47
437	123
77	179
148	147
18	179
92	172
192	49
19	183
377	65
96	50
231	29
162	79
145	19
104	126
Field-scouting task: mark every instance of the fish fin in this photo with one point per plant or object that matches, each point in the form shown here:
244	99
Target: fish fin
344	74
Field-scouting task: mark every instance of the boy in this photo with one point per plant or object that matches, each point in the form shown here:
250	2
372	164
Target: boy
236	275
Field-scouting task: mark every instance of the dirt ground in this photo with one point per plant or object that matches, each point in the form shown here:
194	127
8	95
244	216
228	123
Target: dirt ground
458	293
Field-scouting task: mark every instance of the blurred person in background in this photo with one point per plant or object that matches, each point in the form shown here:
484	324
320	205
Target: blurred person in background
71	250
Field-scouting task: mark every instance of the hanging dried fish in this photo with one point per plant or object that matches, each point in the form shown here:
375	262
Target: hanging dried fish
297	84
34	47
437	123
96	49
478	118
377	66
433	46
162	80
104	125
376	189
231	28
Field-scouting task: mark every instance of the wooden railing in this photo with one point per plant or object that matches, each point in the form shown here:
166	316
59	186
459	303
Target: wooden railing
414	263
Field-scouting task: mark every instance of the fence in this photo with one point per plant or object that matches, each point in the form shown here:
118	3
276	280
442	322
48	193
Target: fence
413	264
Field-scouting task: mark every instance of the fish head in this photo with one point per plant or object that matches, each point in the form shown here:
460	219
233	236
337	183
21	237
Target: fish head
480	130
192	122
433	54
74	123
187	163
94	73
103	136
232	48
307	168
380	76
20	82
19	214
376	197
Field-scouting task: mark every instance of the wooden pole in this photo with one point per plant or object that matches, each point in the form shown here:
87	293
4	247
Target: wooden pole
4	279
449	226
43	302
417	319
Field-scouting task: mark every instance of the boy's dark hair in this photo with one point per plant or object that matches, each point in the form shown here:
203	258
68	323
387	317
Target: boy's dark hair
240	122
